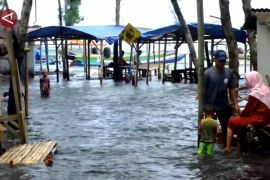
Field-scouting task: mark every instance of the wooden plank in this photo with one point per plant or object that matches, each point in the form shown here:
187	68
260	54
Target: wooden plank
16	154
7	156
49	149
46	148
31	154
22	154
9	117
28	153
36	155
43	150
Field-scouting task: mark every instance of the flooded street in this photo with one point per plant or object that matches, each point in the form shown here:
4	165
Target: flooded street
116	131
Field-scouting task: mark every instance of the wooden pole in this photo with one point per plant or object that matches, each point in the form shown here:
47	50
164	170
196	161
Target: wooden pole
88	60
56	59
200	60
40	52
66	57
62	43
84	55
26	84
131	62
148	59
245	65
159	73
137	64
101	62
46	54
164	58
176	54
15	78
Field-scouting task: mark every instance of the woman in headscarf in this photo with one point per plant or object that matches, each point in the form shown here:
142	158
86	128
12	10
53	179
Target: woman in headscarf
257	109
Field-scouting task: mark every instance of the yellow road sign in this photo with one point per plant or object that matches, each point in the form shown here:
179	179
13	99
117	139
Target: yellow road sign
130	34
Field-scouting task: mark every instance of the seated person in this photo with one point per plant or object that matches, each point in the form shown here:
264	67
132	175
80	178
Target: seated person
135	57
256	111
122	61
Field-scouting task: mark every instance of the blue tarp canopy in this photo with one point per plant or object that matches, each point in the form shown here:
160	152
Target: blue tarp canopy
212	31
111	33
215	31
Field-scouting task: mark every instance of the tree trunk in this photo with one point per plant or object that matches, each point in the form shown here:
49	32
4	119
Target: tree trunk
200	71
22	30
187	33
19	44
117	12
251	36
230	38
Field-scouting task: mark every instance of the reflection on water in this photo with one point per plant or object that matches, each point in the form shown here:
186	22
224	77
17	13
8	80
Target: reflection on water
116	131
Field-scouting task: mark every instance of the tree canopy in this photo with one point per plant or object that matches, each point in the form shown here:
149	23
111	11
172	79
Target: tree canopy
72	14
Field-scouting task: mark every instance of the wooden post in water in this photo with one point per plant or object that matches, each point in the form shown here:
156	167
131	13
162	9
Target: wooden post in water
137	64
200	61
164	59
176	54
66	57
159	73
148	59
16	84
88	59
101	62
26	82
56	59
84	56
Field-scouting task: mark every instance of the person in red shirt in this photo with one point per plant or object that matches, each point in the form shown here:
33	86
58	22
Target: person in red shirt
257	109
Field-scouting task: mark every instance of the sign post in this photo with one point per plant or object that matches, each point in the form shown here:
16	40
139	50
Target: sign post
130	34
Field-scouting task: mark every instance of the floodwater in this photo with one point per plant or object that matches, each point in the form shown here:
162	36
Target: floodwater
117	131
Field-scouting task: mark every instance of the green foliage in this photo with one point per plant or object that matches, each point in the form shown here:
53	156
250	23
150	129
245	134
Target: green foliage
72	15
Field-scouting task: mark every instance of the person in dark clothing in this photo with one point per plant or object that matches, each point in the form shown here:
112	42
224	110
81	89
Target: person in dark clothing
220	91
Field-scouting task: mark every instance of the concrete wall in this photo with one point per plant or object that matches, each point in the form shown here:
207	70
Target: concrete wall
263	49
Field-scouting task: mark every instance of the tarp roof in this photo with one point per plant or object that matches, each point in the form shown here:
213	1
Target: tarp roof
212	31
111	33
108	33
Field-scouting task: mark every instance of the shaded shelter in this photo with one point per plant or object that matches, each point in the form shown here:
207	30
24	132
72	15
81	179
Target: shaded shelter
110	34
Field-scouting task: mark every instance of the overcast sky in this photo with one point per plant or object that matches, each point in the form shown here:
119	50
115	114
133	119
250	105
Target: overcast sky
140	13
